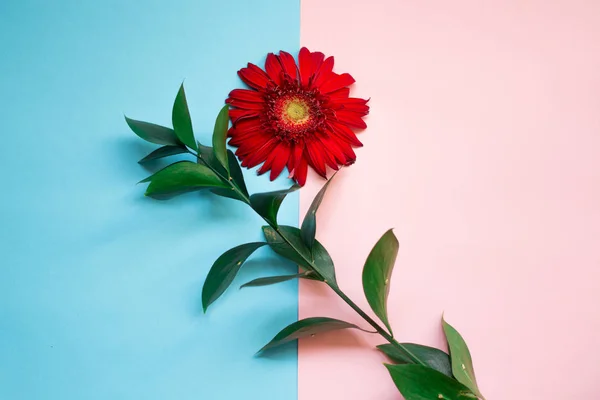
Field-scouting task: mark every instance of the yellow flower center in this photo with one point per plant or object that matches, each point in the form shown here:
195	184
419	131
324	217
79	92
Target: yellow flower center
296	111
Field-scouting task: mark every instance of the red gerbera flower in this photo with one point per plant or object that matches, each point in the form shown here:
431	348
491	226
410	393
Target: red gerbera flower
295	116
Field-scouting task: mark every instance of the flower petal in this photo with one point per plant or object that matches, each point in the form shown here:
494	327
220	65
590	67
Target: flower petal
317	60
296	154
254	77
340	94
324	73
288	63
305	64
246	95
236	114
248	125
316	158
267	164
345	133
245	105
337	82
249	142
259	155
273	67
331	146
351	118
281	154
359	107
348	152
301	171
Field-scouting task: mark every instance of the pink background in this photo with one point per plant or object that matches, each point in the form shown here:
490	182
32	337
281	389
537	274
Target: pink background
482	152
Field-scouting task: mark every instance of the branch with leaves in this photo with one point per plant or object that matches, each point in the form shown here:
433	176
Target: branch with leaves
420	372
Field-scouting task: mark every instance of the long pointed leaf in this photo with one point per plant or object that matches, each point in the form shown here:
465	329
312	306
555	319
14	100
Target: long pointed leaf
267	204
309	225
182	177
417	382
153	133
299	253
307	327
236	172
432	357
224	271
207	156
182	122
271	280
377	273
237	178
462	364
163	152
219	138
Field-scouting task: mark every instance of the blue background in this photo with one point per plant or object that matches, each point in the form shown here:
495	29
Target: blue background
99	286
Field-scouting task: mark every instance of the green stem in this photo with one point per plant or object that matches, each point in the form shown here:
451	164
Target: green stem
333	286
375	325
223	178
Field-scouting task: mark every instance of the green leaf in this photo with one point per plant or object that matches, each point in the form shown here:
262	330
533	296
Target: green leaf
207	156
182	177
182	122
417	382
237	178
323	263
309	225
229	193
377	273
236	172
267	204
224	270
271	280
219	138
307	327
319	261
462	364
432	357
162	152
153	133
298	254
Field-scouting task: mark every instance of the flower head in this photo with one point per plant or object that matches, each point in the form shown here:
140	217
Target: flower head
295	115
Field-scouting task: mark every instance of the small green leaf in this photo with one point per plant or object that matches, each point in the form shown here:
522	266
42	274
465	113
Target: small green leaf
224	270
219	138
182	122
271	280
299	253
238	179
417	382
307	327
153	133
162	152
309	225
182	177
377	273
207	156
432	357
267	204
236	172
462	364
323	263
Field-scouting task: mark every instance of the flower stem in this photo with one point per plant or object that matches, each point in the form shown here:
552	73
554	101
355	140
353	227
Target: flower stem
332	285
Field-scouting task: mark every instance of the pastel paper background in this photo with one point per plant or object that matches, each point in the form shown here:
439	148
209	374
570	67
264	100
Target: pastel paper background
482	152
99	286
